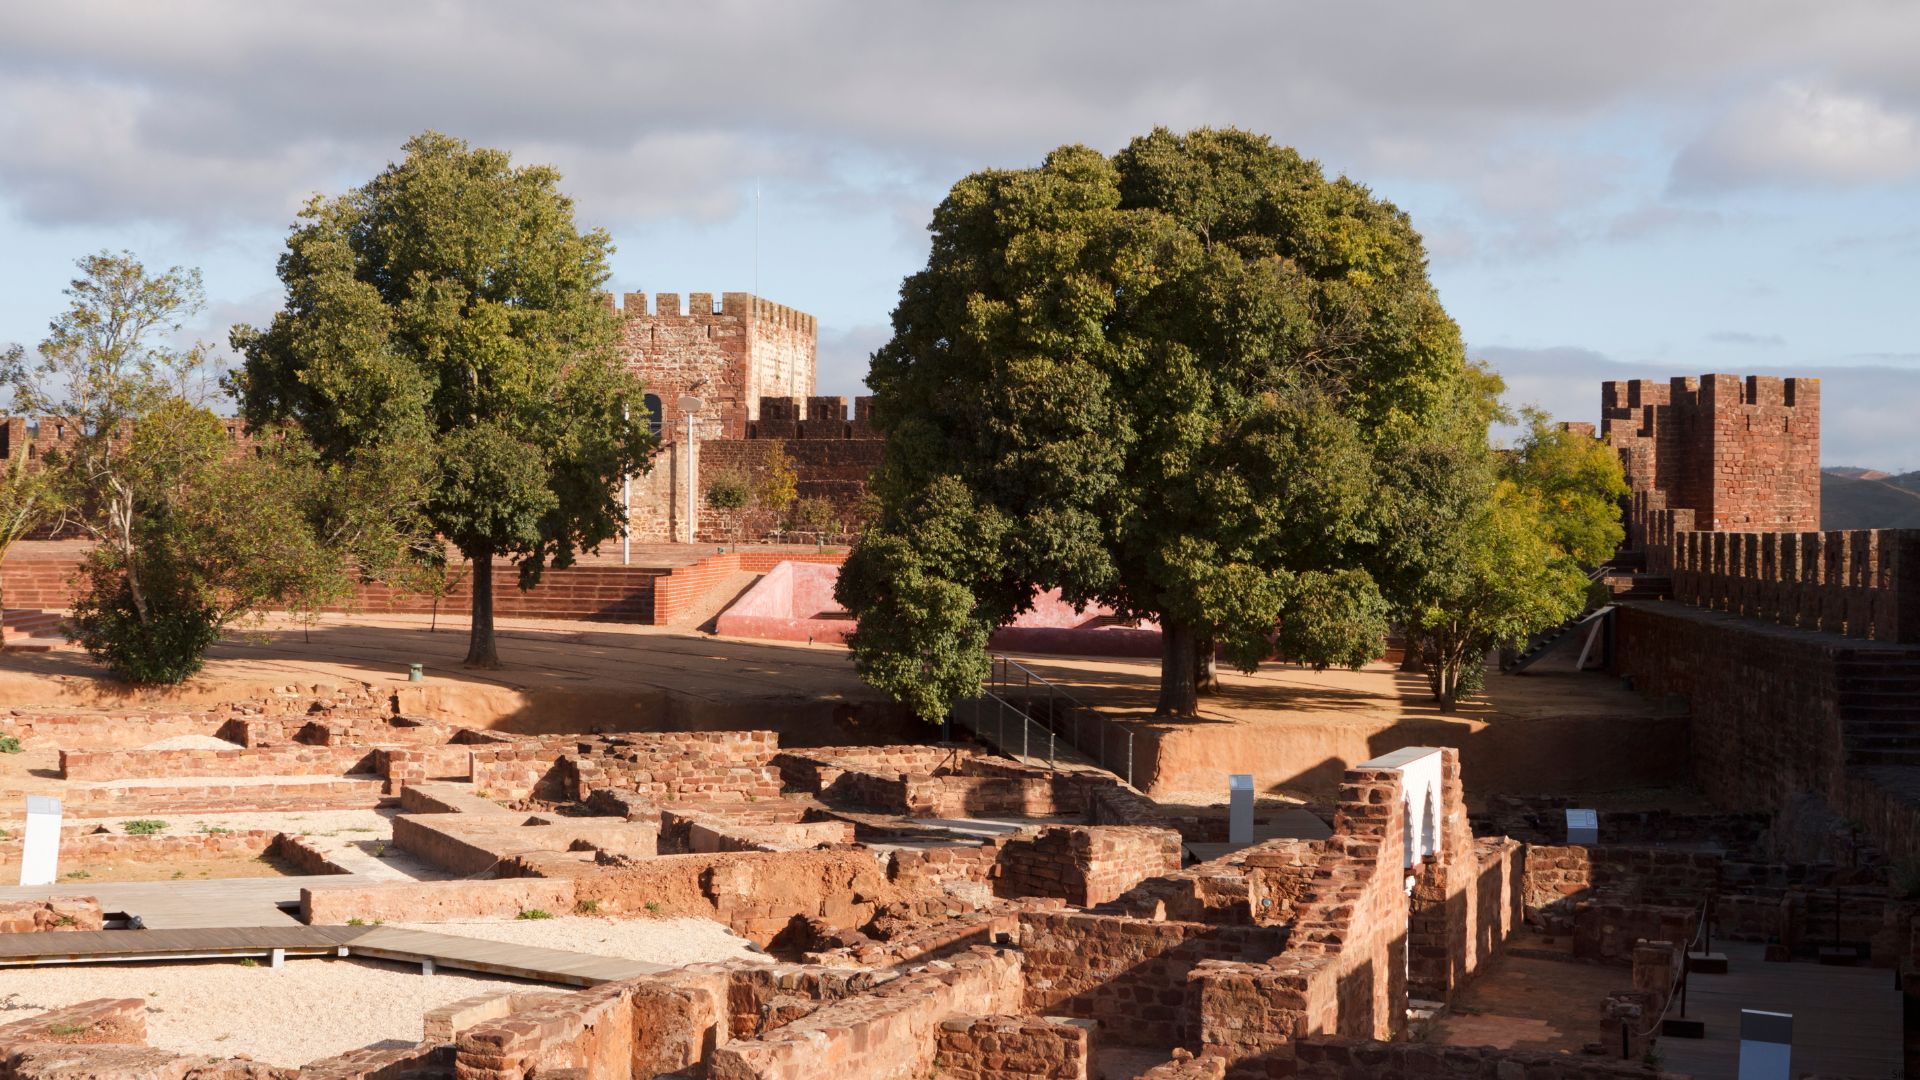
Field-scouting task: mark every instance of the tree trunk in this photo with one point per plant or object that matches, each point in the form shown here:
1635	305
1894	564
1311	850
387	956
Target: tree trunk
1178	695
1206	666
481	652
1410	658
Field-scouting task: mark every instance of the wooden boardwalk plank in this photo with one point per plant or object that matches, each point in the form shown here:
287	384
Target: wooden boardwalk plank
379	942
175	904
1846	1020
500	958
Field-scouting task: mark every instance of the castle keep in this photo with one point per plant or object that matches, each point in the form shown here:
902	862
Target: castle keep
1742	454
752	363
730	356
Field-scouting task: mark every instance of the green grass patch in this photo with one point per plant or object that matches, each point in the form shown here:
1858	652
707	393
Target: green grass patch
10	745
143	826
535	913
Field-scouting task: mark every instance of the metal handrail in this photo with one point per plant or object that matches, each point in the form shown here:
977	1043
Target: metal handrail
1066	717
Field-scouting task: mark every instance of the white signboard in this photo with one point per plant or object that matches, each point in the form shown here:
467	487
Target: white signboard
1766	1045
40	850
1583	826
1240	808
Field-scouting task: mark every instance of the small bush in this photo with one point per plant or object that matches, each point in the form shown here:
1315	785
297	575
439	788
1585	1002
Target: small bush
249	962
356	921
213	830
9	745
535	913
168	647
812	514
78	875
1904	877
729	491
653	907
588	907
143	826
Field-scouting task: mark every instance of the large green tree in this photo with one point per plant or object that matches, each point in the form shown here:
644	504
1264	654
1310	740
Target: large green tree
1513	562
1169	380
447	317
192	531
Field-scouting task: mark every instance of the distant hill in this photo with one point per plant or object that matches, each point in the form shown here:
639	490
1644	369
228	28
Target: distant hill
1869	499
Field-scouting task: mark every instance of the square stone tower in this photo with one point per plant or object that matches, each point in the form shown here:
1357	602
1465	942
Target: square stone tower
731	357
1742	454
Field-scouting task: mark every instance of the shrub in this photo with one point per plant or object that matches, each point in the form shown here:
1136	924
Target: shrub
729	491
812	514
588	907
9	745
143	826
653	907
169	646
535	913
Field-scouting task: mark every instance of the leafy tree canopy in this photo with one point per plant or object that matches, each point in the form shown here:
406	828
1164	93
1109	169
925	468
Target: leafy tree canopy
1510	562
447	319
193	530
1172	381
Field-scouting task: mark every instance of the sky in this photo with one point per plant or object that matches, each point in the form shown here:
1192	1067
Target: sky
1622	190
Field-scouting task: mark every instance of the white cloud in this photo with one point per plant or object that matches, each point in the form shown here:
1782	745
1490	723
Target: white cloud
1866	410
1747	338
1799	133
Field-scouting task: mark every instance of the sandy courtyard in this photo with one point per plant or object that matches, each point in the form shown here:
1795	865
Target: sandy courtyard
313	1008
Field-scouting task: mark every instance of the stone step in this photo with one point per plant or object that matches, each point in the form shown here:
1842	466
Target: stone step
1884	757
1883	728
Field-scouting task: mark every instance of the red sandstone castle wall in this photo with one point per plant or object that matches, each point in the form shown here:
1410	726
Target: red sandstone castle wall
1743	454
730	358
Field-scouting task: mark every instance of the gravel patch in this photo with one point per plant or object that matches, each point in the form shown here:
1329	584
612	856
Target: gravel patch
220	1008
669	942
192	742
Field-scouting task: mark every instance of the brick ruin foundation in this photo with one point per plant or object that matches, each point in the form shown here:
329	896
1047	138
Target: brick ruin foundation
1080	930
1084	928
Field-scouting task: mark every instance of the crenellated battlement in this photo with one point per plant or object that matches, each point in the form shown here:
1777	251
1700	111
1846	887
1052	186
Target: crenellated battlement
820	417
700	307
1740	453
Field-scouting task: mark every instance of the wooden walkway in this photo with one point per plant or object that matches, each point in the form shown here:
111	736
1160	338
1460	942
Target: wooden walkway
1846	1020
175	905
496	957
429	950
94	946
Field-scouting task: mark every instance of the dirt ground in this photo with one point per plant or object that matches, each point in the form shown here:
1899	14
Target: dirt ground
1531	1003
173	868
1551	730
310	1008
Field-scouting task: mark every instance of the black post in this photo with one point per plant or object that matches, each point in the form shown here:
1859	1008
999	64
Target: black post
1626	1045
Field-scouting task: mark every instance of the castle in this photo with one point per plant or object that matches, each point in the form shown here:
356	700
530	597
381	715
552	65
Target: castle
752	363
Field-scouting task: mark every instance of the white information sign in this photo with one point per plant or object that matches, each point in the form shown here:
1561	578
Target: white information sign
1240	808
40	850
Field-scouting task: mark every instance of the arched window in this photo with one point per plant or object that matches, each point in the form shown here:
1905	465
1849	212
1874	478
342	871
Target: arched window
652	402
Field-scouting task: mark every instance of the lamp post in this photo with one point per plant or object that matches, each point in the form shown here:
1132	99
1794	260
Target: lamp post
690	404
626	505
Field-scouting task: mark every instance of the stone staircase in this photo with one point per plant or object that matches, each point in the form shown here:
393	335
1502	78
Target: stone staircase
33	631
1879	701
